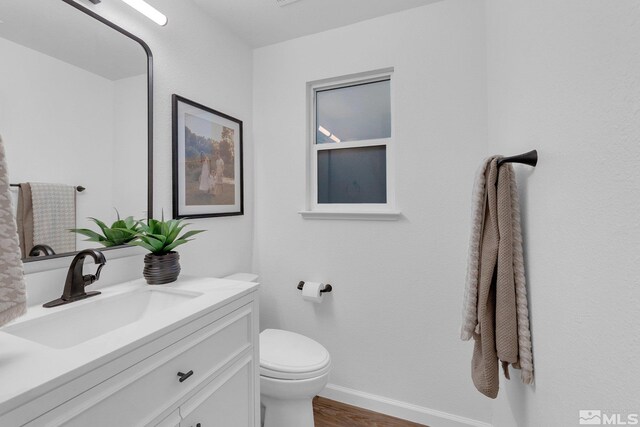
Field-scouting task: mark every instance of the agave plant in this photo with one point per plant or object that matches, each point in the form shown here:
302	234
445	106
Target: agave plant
122	231
161	237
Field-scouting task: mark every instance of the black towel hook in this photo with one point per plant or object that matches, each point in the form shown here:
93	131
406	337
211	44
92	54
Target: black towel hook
530	158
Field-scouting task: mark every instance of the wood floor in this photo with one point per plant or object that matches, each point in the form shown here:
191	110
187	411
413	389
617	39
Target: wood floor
329	413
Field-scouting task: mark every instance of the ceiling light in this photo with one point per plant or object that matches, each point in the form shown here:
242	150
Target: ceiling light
334	138
147	10
324	131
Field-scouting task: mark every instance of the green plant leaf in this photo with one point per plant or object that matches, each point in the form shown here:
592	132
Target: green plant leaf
123	235
174	231
130	223
161	237
189	234
100	224
92	235
154	223
164	230
109	234
175	244
143	244
118	224
142	227
156	244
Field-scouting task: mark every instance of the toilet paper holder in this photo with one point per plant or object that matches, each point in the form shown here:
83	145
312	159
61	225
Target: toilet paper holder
327	287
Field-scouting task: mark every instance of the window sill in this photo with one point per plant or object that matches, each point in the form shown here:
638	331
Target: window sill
358	215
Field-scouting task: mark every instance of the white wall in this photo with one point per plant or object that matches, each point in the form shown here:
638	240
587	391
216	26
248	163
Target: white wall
201	60
563	77
392	322
129	147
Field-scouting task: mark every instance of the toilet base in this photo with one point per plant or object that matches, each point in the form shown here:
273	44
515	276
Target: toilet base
288	403
287	412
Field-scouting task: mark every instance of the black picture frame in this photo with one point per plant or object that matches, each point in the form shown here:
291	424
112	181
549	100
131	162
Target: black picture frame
207	170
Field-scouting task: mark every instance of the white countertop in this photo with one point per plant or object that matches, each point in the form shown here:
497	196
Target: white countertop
29	369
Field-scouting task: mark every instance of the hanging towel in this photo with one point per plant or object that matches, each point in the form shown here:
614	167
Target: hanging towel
13	297
495	310
54	215
478	203
24	217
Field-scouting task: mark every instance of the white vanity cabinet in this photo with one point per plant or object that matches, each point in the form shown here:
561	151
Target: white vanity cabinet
202	373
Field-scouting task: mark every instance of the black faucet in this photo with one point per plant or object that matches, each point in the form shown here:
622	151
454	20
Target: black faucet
76	281
41	250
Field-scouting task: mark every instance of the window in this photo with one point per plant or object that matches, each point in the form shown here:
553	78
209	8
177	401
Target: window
351	147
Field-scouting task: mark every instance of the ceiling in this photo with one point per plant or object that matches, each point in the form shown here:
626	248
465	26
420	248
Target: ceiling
264	22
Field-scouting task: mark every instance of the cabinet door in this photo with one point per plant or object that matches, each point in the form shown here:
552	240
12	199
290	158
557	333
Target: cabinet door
227	401
173	420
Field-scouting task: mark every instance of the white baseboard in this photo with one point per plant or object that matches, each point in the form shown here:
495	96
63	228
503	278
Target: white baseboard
395	408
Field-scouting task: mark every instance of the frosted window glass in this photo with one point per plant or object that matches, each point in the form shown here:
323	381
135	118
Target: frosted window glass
354	113
353	175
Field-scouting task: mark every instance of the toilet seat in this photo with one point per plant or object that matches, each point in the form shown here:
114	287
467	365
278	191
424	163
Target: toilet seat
286	355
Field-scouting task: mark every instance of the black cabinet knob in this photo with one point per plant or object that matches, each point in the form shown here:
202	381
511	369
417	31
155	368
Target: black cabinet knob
184	376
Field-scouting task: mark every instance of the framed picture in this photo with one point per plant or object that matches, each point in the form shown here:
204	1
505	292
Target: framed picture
207	161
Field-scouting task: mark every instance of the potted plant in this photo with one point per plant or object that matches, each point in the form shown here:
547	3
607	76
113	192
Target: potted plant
161	237
121	232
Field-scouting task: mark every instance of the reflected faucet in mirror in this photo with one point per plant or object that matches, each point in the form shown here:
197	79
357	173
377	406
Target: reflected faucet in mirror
41	250
76	281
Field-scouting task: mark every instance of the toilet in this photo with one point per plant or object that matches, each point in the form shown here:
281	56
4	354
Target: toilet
293	370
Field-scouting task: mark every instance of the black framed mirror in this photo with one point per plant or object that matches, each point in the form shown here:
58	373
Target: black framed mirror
76	117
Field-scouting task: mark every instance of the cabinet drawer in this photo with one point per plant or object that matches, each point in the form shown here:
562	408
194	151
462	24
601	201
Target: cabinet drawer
139	394
224	402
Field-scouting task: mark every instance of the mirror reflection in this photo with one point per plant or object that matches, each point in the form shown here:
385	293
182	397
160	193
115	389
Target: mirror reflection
73	116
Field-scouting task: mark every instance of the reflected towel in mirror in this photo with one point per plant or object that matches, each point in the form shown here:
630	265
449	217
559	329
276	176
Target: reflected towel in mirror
46	212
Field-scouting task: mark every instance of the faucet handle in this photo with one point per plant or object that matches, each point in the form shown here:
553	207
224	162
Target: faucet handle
99	269
97	275
90	278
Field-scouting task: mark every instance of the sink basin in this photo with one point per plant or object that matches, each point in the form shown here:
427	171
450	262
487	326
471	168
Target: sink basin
90	318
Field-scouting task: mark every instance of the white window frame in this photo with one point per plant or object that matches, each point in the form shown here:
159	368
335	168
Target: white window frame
366	211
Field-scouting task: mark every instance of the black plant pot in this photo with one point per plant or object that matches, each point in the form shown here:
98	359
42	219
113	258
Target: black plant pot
161	269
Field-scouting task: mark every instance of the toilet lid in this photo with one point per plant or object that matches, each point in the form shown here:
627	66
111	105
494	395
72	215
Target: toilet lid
287	355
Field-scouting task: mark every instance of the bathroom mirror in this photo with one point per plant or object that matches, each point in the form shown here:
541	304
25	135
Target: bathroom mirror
76	121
